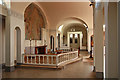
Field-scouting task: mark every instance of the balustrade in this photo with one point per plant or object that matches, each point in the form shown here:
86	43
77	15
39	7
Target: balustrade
55	60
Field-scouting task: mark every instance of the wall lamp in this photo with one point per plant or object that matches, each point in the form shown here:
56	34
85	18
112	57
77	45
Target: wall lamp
91	2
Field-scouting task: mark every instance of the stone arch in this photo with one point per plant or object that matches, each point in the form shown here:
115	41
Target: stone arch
34	22
73	20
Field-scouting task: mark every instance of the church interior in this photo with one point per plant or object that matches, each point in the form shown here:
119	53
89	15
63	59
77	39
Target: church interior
59	39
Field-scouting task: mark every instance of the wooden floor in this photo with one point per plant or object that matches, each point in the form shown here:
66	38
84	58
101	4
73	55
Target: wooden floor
80	69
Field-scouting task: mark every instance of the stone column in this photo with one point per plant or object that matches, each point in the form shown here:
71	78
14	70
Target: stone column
0	46
9	61
111	43
119	39
98	39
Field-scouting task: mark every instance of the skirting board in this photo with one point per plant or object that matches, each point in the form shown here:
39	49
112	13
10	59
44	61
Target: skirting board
9	69
3	66
99	75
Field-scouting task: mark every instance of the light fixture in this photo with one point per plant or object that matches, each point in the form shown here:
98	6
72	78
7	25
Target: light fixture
104	27
85	25
91	2
87	29
97	0
71	35
72	29
1	2
60	28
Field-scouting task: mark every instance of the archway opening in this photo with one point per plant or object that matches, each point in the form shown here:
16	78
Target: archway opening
17	57
52	43
72	25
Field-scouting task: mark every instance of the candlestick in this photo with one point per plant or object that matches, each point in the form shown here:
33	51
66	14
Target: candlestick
30	45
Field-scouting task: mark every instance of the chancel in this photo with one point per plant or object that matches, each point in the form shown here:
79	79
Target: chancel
59	39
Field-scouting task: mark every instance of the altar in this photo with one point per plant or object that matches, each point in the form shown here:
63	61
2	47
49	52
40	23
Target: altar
41	49
36	50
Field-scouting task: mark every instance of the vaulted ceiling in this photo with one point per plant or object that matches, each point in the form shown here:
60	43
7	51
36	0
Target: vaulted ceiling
56	12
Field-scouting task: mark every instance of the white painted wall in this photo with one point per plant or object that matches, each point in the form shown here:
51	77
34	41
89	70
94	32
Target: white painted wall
16	22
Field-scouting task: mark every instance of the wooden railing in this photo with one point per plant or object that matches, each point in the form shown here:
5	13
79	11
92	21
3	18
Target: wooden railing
53	60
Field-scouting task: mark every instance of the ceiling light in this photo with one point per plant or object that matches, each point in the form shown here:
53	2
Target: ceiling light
60	28
85	25
1	2
104	27
97	0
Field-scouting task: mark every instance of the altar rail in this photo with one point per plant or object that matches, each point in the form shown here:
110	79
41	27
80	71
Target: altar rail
68	50
53	60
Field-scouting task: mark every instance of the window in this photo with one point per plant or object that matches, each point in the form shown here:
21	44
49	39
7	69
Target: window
76	35
1	2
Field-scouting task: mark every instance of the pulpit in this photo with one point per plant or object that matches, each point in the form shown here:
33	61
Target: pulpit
41	49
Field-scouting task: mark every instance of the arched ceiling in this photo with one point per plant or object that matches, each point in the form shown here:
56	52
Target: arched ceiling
75	26
56	12
71	21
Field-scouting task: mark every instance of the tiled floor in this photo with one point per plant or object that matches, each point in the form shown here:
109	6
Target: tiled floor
81	69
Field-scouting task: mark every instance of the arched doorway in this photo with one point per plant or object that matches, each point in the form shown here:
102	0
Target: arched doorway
73	24
18	56
52	43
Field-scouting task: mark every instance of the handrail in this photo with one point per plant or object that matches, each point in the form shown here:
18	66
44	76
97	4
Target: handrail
46	59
